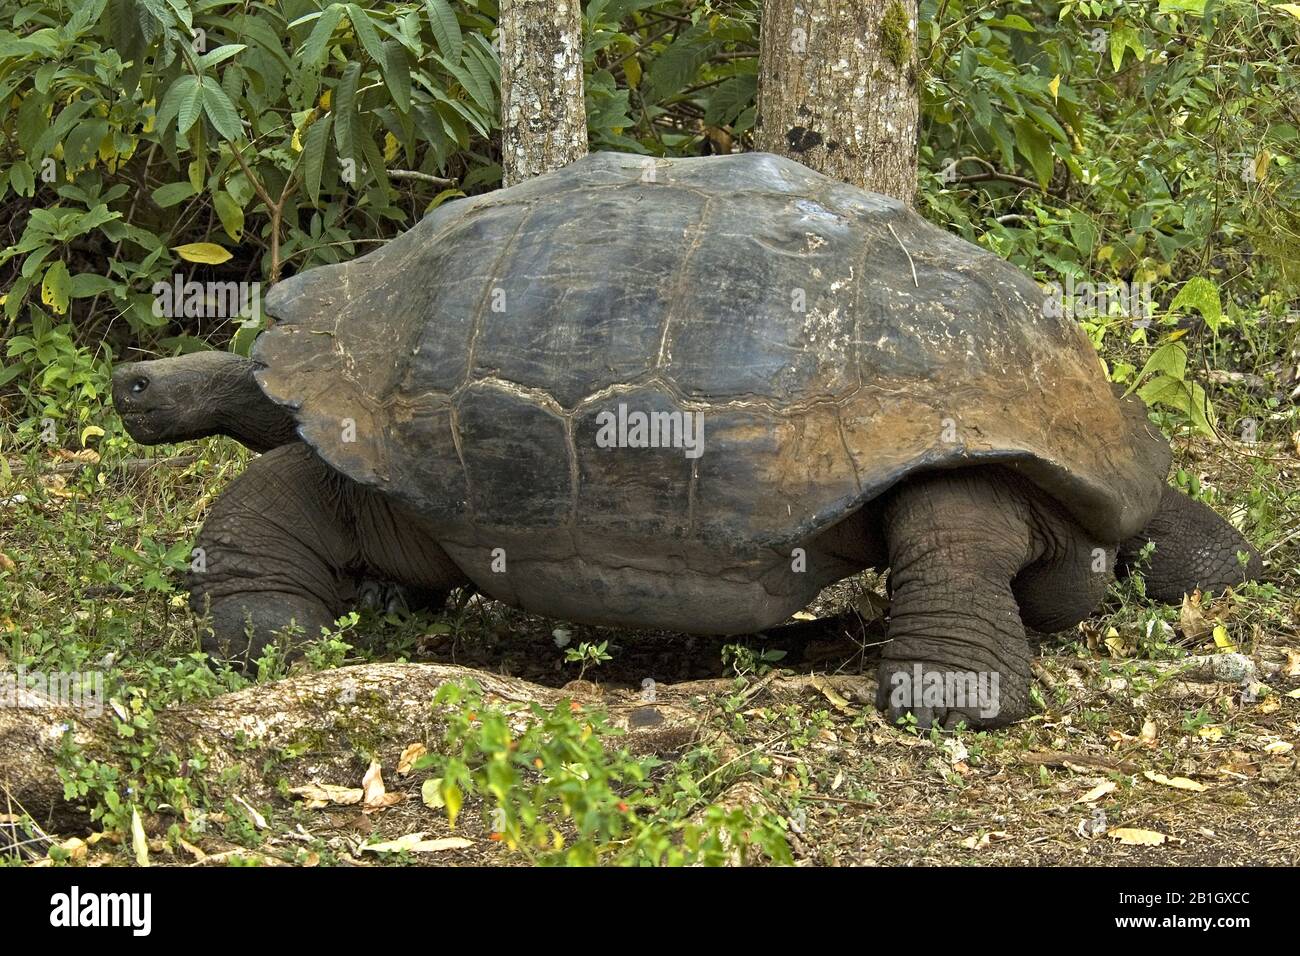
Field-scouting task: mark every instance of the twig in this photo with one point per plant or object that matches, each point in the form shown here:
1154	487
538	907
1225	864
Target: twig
423	177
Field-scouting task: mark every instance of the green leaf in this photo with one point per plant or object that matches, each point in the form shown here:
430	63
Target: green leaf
56	286
313	154
1203	295
365	31
313	51
397	74
189	102
172	193
220	55
1033	144
230	213
221	111
730	97
208	253
446	29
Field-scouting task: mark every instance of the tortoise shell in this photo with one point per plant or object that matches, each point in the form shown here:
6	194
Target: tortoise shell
831	341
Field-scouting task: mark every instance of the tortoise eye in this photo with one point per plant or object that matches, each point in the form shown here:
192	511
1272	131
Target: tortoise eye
139	385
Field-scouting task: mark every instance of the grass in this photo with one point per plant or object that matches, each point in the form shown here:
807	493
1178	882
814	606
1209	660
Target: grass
89	580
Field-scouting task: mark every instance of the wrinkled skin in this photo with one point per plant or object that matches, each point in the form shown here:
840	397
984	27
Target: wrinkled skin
196	395
976	555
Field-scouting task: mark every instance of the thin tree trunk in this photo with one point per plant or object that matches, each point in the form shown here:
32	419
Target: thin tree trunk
837	90
543	111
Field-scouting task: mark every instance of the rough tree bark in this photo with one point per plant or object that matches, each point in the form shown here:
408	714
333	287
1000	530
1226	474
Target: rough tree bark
543	111
837	90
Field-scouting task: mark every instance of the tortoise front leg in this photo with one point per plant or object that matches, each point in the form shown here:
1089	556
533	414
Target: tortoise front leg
287	543
957	649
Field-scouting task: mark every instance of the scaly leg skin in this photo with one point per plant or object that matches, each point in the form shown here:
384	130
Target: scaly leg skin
1194	548
957	650
285	546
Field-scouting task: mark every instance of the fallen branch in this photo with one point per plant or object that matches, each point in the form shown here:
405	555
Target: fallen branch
133	466
320	726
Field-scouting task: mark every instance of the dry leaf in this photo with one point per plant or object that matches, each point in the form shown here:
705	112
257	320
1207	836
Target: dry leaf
1222	641
830	693
1097	792
317	795
1117	645
1130	836
1148	734
1178	783
979	843
1191	618
75	848
1279	747
193	851
1210	733
7	563
406	762
431	793
376	797
139	842
1292	662
416	843
259	821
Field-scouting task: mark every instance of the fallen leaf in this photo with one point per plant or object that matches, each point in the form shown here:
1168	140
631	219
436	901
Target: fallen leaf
1279	747
431	793
830	693
406	762
1292	668
1222	641
1191	618
416	843
7	563
1211	733
259	821
1148	734
376	797
139	842
1097	792
1117	645
75	848
980	842
1178	783
1130	836
193	851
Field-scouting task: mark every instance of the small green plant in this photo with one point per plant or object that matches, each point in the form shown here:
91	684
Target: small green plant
746	662
587	655
562	792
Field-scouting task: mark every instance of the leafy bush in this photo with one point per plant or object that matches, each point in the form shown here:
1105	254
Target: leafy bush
218	142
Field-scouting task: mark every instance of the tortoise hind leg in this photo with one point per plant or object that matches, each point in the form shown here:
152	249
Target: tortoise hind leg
1194	548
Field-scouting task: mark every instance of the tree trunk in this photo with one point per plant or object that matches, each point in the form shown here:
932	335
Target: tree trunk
837	90
543	112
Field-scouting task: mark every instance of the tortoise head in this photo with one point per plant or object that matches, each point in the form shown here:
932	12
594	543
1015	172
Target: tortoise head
189	396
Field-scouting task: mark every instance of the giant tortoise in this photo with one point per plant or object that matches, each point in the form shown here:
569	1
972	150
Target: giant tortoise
685	395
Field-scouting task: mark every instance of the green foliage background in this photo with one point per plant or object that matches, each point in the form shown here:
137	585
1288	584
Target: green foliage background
1147	142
